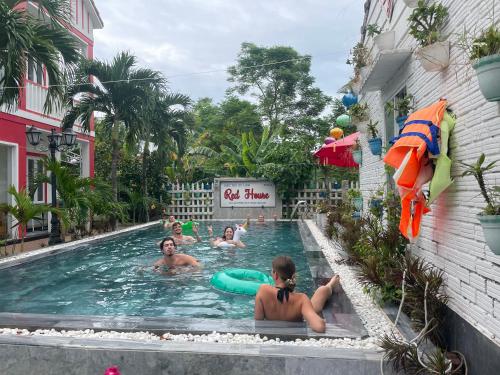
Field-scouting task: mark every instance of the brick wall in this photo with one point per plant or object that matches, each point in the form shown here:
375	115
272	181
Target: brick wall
451	237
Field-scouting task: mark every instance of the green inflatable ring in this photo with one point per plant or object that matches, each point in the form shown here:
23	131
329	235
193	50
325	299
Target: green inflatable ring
240	281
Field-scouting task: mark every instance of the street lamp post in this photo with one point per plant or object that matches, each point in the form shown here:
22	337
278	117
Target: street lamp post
56	141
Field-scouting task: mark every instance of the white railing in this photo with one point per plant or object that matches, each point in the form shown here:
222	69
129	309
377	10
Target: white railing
35	100
192	201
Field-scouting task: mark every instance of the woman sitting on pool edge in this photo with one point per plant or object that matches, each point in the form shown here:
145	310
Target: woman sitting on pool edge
227	237
282	303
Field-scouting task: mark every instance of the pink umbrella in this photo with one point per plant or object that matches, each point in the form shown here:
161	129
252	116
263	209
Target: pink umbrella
339	152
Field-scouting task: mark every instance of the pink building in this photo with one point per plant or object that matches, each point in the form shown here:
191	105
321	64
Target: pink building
19	161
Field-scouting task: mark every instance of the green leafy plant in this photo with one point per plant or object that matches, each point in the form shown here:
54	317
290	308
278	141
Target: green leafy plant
402	105
372	128
486	44
491	196
24	210
358	112
359	57
373	29
426	22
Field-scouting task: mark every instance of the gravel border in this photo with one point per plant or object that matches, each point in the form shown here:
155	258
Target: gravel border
374	319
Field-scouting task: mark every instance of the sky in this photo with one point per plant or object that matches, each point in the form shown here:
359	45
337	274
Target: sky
184	38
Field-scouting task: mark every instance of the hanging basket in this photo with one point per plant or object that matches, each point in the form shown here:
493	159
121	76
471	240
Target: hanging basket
488	75
357	156
435	57
375	146
491	230
385	41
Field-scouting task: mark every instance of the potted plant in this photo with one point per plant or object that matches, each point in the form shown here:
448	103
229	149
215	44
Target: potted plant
402	105
383	40
358	112
375	142
357	153
485	53
359	60
425	23
490	217
186	198
356	199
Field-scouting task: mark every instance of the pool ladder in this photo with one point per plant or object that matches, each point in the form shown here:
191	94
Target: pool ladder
296	207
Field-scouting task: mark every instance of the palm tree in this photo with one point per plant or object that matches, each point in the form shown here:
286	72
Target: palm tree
164	123
48	43
25	210
120	94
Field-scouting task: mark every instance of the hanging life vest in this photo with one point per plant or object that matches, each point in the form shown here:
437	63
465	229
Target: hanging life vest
410	154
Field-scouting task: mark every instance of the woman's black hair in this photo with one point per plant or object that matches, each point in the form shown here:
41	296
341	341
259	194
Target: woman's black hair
224	233
167	239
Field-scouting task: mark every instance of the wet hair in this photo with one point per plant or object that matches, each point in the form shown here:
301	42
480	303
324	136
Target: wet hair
224	233
167	239
285	268
176	223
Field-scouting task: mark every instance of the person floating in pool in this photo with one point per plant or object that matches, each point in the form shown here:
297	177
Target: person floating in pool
227	238
280	302
261	219
181	239
171	259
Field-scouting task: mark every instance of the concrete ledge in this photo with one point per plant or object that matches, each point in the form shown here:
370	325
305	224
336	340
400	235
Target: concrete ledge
54	355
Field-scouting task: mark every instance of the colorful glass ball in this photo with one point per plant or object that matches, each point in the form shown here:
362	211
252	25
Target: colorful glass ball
343	120
349	99
336	133
329	140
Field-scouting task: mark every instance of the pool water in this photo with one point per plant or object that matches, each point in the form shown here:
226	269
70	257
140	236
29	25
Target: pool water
115	277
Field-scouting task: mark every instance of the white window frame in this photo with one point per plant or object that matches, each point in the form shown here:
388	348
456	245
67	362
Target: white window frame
36	163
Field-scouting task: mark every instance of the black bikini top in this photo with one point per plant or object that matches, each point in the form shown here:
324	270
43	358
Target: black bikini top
283	293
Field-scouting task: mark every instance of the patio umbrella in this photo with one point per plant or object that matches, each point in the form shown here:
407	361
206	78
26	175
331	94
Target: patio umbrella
339	152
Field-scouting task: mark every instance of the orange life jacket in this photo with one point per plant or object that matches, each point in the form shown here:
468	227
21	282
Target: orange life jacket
408	155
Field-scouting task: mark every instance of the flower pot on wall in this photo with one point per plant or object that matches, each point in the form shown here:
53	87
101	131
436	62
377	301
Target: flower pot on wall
357	156
435	57
375	146
411	3
385	41
488	74
358	203
491	230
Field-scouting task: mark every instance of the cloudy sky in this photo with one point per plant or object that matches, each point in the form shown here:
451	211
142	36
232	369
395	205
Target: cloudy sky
183	38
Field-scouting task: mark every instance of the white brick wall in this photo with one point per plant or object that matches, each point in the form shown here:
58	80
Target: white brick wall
451	237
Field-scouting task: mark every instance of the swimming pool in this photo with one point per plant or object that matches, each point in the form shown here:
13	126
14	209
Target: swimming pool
114	277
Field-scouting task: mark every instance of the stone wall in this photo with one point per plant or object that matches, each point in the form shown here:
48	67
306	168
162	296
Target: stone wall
451	237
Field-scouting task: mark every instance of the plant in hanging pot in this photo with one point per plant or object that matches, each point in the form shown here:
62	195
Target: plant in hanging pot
384	40
401	107
374	142
490	217
359	58
358	112
357	153
356	199
485	54
426	22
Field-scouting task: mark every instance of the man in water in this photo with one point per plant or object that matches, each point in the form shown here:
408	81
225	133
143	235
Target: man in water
280	302
181	239
171	259
169	223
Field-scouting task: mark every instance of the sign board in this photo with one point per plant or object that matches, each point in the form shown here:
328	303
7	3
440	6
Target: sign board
247	194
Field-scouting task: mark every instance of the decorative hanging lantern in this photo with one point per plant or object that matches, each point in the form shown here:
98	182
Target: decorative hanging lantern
343	120
349	99
336	133
329	140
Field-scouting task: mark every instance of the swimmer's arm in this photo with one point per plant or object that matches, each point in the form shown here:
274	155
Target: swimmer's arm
258	313
240	244
316	323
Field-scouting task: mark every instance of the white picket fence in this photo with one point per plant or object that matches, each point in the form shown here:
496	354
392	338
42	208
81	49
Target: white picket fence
195	201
